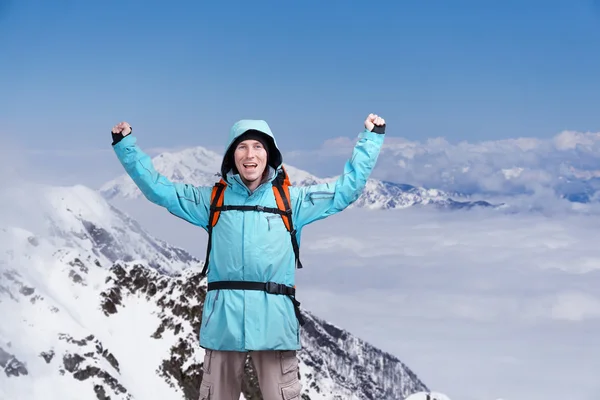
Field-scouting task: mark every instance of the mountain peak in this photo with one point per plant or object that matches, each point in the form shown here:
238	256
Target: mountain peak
201	167
99	308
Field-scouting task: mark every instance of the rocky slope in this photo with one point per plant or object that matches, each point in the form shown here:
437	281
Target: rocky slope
95	308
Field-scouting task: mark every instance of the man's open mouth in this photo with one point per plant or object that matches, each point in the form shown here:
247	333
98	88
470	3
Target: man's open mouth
250	165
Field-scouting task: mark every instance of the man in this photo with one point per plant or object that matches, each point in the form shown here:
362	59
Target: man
250	246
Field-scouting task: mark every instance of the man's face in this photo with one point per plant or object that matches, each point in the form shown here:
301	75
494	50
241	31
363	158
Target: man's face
251	160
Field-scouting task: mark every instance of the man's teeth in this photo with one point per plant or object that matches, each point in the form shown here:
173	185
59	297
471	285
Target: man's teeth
250	165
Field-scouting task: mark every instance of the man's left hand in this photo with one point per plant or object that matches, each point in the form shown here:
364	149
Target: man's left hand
374	120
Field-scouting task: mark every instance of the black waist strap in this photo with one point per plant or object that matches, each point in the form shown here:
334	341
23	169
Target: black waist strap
269	287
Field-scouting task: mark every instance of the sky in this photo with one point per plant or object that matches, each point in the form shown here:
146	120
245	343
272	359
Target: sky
479	98
183	72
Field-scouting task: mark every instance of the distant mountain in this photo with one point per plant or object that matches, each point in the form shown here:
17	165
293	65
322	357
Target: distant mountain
200	167
389	195
96	308
197	165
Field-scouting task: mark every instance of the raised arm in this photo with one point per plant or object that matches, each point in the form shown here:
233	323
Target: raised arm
316	202
183	200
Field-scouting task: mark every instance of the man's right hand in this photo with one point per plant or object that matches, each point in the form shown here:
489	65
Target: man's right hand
375	123
122	128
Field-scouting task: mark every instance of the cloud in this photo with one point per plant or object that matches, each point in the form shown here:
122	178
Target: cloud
525	173
564	163
480	304
13	165
88	166
576	306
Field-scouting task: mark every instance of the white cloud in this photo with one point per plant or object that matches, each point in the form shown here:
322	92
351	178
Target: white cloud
576	306
456	295
569	140
505	167
545	169
13	166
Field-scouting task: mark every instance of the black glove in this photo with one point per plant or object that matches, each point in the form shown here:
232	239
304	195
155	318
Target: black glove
117	137
379	129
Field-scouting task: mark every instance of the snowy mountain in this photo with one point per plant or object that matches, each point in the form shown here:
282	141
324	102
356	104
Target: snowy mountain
428	396
200	167
93	307
385	195
196	164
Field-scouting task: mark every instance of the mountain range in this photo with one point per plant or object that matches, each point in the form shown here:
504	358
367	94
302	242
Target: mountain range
200	167
94	307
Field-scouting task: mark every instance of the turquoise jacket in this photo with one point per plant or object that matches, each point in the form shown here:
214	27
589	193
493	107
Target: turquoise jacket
251	245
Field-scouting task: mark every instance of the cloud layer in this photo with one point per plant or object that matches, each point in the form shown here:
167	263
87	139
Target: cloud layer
566	165
482	305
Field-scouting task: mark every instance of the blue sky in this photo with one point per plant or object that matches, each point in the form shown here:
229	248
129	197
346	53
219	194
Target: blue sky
182	72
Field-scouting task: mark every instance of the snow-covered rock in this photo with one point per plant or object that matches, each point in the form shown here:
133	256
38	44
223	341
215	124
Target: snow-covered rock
93	307
427	396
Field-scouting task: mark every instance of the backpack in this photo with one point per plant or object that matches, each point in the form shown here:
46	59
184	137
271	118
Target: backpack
281	191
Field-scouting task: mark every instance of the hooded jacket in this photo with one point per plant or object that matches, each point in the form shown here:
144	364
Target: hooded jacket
251	245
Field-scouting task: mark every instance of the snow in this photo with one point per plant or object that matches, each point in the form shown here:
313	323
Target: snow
510	173
66	337
140	316
428	396
62	265
196	164
66	306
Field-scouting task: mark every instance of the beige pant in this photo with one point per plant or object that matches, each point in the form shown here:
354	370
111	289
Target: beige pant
277	372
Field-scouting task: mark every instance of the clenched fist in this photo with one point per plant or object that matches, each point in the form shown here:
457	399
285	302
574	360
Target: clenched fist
123	128
375	123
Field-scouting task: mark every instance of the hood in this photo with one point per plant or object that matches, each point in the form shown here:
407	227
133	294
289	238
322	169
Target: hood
239	128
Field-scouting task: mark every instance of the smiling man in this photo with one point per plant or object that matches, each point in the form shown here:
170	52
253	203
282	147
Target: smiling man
254	219
250	155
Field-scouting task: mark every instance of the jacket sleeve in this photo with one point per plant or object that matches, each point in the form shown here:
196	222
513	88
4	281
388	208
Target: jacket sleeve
183	200
319	201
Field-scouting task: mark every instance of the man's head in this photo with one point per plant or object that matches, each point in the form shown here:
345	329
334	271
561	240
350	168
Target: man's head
250	157
252	148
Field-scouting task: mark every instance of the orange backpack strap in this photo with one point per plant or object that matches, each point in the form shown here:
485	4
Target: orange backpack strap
216	201
281	190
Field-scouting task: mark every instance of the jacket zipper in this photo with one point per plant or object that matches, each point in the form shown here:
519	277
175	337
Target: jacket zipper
269	218
325	195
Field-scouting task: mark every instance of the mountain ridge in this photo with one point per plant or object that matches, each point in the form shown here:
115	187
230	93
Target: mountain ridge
83	323
187	167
